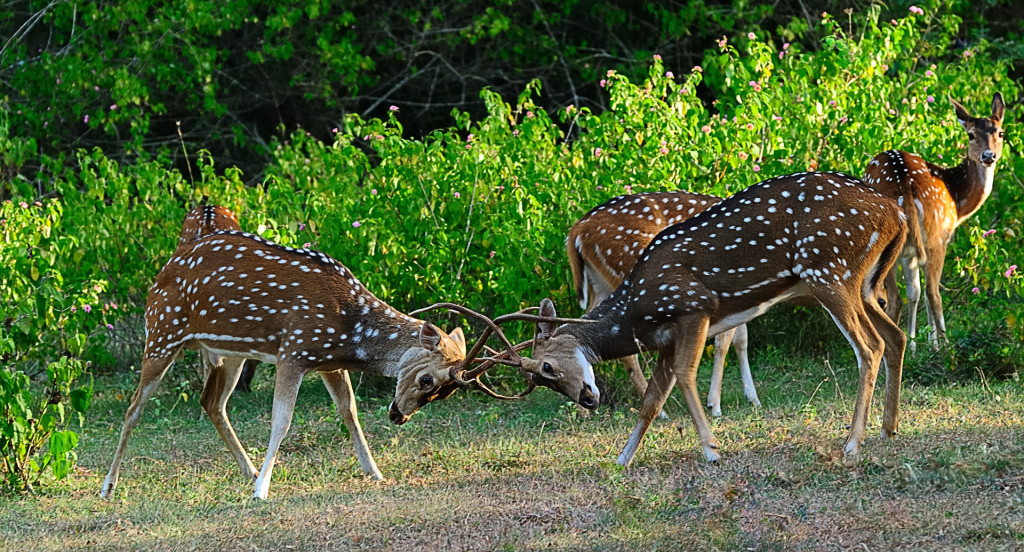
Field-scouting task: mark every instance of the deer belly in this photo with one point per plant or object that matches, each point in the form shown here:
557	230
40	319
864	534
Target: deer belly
733	317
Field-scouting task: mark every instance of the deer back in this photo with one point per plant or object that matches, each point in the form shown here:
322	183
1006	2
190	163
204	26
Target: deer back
204	220
604	244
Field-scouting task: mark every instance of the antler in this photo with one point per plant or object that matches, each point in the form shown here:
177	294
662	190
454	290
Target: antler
461	373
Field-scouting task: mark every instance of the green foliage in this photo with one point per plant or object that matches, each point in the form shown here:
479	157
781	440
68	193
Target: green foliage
48	321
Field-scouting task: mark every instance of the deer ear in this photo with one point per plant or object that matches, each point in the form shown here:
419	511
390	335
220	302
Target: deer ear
430	336
965	118
998	108
547	309
460	340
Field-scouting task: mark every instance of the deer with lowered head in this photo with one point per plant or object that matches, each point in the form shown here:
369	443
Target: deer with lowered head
236	296
936	200
822	235
604	245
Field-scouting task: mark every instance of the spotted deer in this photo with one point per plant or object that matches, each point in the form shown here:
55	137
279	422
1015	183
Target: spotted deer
236	296
822	235
201	221
605	244
937	200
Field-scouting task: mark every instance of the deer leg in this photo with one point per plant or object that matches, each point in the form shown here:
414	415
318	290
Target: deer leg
245	379
662	380
222	373
895	343
687	358
932	281
722	343
340	387
868	346
912	275
286	389
153	370
636	375
893	299
740	341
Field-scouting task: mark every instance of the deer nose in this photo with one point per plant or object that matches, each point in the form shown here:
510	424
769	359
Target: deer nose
988	157
588	399
396	416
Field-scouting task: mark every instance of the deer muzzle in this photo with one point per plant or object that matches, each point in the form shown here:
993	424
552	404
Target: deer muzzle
396	416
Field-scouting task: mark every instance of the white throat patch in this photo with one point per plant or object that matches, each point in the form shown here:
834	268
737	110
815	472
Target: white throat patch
588	370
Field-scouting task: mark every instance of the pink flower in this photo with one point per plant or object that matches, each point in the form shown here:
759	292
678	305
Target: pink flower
110	326
88	308
706	129
757	168
113	306
975	291
373	191
302	226
393	108
670	75
931	99
529	115
917	10
1010	270
657	57
988	233
893	21
842	119
663	150
698	69
750	126
568	109
492	254
515	132
96	88
929	73
457	195
334	130
113	107
23	205
306	245
751	36
755	86
785	46
603	83
610	72
722	42
86	119
831	103
776	118
356	224
469	138
597	152
629	189
743	156
74	308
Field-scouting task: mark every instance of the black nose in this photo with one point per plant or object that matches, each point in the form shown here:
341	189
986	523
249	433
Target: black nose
396	416
587	398
988	157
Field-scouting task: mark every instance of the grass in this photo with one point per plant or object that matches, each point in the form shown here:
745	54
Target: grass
474	474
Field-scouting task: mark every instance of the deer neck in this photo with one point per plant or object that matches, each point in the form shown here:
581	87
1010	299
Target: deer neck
969	184
610	334
382	344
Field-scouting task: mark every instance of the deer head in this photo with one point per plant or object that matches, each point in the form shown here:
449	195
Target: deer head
560	362
985	133
425	373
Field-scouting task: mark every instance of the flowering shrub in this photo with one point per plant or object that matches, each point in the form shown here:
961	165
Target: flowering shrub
48	322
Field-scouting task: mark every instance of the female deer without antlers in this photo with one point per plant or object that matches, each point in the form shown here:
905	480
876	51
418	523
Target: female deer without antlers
936	200
811	234
605	244
235	296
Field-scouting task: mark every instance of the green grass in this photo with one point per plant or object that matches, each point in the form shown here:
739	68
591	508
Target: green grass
474	474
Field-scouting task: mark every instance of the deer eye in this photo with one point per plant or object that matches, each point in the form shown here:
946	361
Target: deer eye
1001	134
547	368
970	134
426	381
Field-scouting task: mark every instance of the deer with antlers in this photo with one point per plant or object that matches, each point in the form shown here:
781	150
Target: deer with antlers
604	245
822	235
936	200
237	296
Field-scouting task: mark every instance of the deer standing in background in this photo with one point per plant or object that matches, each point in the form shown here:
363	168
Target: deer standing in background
202	221
936	200
822	235
605	244
237	296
